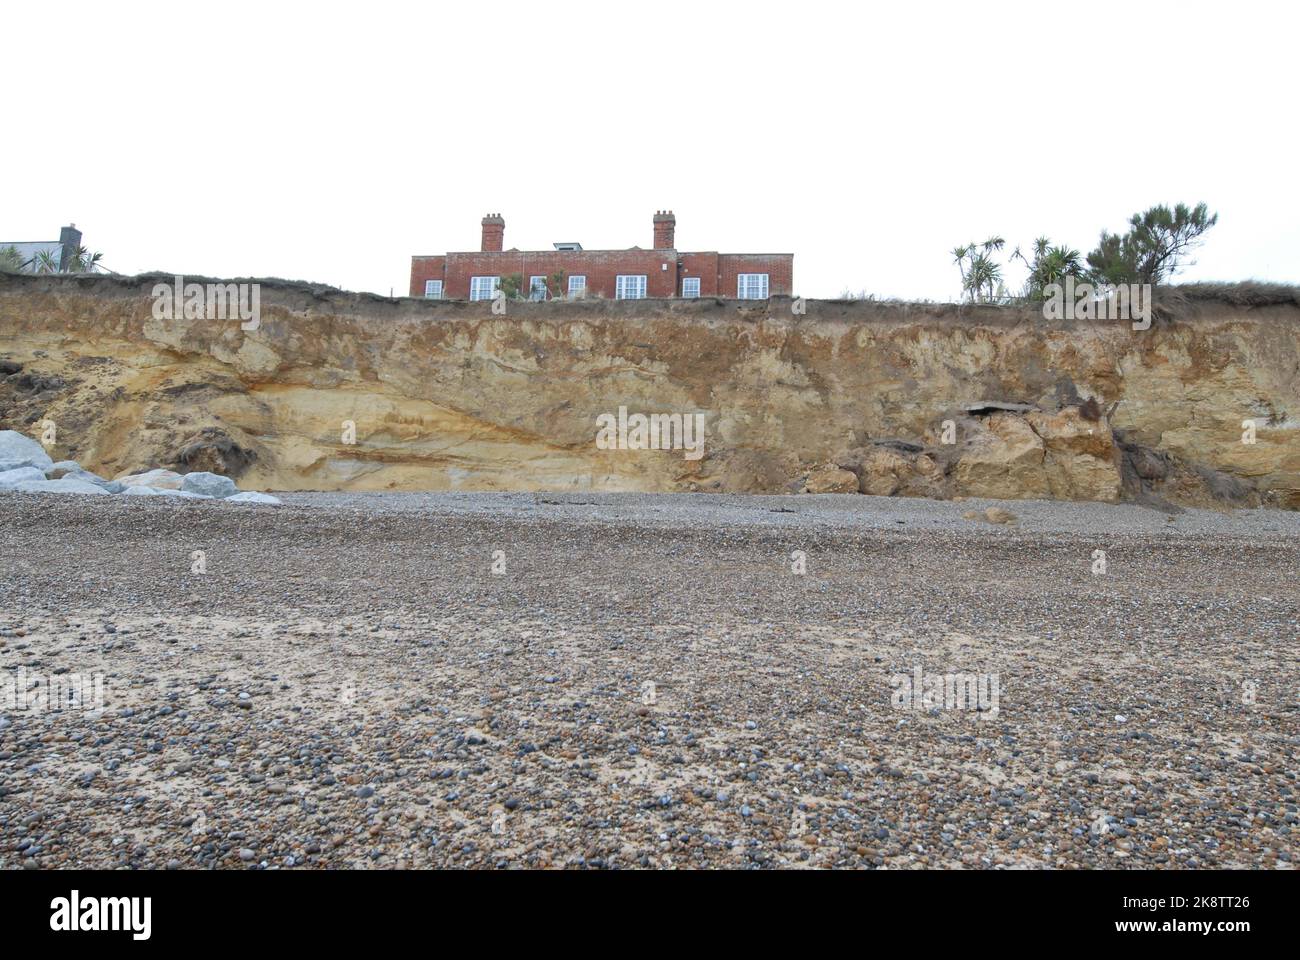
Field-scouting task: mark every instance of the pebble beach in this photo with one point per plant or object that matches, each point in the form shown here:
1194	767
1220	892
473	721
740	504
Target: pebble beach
620	681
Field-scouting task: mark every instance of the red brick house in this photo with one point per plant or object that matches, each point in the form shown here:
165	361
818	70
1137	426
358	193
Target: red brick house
663	271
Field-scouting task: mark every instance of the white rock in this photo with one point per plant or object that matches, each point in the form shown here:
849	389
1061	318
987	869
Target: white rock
10	478
210	484
140	491
158	479
22	450
156	492
66	485
62	469
251	497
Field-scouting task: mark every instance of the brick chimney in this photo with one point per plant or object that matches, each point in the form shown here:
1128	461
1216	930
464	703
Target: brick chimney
494	233
665	230
69	239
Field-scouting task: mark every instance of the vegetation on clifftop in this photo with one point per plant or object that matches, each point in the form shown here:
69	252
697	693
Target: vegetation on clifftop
1155	246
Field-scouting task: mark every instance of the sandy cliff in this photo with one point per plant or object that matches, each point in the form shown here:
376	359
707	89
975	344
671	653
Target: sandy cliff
905	399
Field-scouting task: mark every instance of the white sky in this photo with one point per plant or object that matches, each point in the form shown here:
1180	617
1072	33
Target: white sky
330	141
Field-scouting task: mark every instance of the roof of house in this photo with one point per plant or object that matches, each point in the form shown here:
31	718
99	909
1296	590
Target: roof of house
514	251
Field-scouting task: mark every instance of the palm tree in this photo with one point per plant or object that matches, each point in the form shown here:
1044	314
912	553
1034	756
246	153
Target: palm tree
11	261
959	255
981	275
1050	265
83	261
984	274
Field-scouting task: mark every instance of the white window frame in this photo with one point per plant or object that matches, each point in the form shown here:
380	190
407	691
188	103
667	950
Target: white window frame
635	281
577	284
691	287
747	285
537	289
433	289
476	284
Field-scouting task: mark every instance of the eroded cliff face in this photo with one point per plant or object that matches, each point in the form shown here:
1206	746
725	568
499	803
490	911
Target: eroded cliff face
925	400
